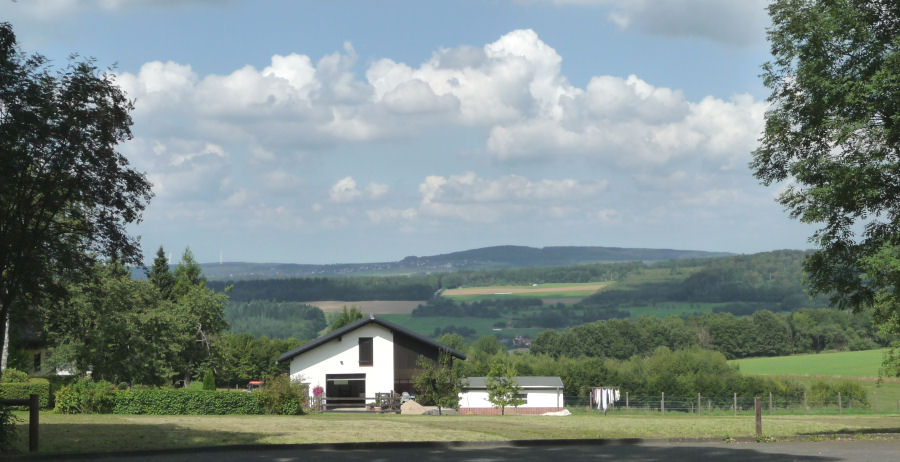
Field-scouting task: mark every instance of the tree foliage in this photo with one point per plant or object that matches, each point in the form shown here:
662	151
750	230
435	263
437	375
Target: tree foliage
502	387
66	194
439	383
345	318
833	135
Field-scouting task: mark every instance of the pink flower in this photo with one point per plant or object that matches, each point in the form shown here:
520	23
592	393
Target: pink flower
318	390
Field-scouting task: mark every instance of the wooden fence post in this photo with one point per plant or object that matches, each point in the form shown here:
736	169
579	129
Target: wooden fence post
699	405
840	405
662	403
757	405
770	403
734	405
33	417
627	408
805	406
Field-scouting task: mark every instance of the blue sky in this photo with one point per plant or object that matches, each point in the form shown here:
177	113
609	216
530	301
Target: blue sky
353	131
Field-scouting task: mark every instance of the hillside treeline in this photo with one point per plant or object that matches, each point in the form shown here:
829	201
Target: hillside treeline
772	280
545	275
277	320
523	311
418	287
346	289
762	334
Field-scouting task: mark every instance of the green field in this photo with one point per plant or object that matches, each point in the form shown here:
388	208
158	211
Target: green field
543	291
838	364
104	433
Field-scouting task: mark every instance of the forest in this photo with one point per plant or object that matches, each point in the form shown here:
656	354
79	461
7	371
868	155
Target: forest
762	334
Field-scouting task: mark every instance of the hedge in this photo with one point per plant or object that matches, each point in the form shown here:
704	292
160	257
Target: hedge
21	390
185	402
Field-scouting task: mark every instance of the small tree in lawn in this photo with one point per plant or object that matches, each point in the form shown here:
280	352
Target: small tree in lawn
440	383
502	387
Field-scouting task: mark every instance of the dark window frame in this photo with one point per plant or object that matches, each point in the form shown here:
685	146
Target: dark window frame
366	351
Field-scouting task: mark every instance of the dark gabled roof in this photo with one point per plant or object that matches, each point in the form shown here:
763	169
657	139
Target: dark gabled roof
475	383
362	322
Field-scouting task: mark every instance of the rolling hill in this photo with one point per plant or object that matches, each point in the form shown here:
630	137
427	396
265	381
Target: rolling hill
497	257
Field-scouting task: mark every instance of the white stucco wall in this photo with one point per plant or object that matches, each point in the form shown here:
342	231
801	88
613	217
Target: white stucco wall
342	357
535	398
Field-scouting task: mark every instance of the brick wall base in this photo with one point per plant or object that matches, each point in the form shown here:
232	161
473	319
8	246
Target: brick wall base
509	410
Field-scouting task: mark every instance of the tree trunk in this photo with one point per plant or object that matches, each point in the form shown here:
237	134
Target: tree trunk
4	319
4	357
187	379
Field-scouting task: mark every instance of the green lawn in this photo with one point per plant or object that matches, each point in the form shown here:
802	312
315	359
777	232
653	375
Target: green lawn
101	433
841	364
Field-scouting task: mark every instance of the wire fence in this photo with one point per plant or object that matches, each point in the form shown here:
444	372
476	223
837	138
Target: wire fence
737	405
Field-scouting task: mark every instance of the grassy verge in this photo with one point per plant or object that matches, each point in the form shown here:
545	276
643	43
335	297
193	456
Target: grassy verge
102	433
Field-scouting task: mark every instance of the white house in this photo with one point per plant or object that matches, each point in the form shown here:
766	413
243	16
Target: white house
541	394
359	360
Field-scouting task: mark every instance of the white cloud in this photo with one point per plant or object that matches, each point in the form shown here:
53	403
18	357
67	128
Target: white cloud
47	10
737	22
511	88
471	198
390	215
279	180
346	190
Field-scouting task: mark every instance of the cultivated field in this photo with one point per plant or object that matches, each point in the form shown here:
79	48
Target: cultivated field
102	433
369	306
544	291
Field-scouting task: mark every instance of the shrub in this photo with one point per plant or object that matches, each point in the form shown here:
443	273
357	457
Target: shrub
14	376
85	397
281	395
8	434
22	390
823	393
185	402
209	380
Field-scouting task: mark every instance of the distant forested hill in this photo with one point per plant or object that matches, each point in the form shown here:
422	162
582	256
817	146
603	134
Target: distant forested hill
773	279
498	257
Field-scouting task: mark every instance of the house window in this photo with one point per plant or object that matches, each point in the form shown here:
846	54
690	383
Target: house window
523	397
365	351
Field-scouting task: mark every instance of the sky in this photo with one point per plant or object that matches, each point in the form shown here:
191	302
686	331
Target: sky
357	131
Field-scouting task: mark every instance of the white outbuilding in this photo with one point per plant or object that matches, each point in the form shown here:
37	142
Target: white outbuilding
541	395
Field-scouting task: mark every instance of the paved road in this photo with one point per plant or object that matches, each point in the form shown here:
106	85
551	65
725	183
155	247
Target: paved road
877	450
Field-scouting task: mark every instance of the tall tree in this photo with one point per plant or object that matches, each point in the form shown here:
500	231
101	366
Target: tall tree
160	276
832	135
202	317
119	329
66	194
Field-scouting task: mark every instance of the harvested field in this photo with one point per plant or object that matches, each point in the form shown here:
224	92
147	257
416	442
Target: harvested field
369	306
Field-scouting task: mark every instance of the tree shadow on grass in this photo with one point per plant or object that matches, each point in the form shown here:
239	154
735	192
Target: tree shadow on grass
93	438
569	453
